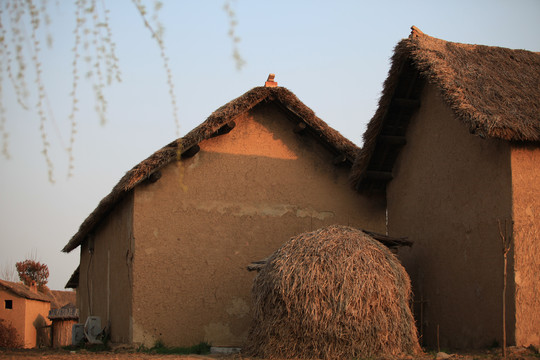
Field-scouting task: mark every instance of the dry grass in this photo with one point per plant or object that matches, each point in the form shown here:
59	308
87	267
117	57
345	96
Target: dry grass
332	293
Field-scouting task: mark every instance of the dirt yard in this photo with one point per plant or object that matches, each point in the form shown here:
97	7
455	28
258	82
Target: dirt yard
513	354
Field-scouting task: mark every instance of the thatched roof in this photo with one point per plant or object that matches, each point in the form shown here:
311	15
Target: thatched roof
66	312
494	91
61	298
57	298
23	291
332	293
219	122
73	282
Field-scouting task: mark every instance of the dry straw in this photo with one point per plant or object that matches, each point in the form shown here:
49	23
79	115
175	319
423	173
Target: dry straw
332	293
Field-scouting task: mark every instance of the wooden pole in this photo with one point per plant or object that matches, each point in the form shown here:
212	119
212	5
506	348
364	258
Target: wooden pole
506	242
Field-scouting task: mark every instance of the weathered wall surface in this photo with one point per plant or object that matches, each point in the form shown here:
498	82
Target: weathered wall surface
526	208
36	313
449	190
27	317
105	274
247	192
15	315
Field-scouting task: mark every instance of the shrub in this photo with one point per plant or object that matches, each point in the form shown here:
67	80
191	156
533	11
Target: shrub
9	338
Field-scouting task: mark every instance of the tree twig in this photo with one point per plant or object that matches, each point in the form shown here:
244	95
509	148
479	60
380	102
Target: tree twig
506	243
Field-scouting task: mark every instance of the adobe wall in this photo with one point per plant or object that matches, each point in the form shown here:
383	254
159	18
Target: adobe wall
36	313
526	191
449	190
15	316
105	278
246	193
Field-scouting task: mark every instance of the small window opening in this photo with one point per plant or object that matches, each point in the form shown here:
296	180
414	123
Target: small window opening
9	304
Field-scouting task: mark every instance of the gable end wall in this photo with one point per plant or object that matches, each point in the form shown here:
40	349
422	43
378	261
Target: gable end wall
449	190
35	318
246	193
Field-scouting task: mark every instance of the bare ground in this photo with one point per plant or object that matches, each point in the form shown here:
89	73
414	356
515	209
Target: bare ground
514	353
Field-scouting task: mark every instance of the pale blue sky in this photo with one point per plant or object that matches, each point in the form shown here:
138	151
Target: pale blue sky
334	55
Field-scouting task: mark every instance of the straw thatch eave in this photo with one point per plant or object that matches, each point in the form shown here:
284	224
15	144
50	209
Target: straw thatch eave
64	313
73	282
23	291
219	122
60	298
494	91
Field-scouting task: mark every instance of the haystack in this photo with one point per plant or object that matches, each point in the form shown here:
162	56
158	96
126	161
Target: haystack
332	293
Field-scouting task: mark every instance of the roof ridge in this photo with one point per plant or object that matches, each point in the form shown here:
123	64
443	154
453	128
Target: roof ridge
20	289
217	120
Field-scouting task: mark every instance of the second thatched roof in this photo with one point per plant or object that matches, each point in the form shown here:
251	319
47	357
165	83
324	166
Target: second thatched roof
219	122
494	91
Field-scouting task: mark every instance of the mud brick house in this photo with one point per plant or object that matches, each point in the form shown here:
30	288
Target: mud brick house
26	308
164	255
455	147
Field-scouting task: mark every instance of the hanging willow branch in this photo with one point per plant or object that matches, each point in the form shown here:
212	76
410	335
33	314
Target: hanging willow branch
42	94
3	132
157	34
94	44
93	48
233	22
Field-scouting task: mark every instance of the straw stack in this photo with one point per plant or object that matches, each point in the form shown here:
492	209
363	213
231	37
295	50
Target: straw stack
332	293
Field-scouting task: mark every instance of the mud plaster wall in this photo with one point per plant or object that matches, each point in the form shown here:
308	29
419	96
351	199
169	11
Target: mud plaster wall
448	192
105	277
36	313
247	192
26	316
526	207
16	315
